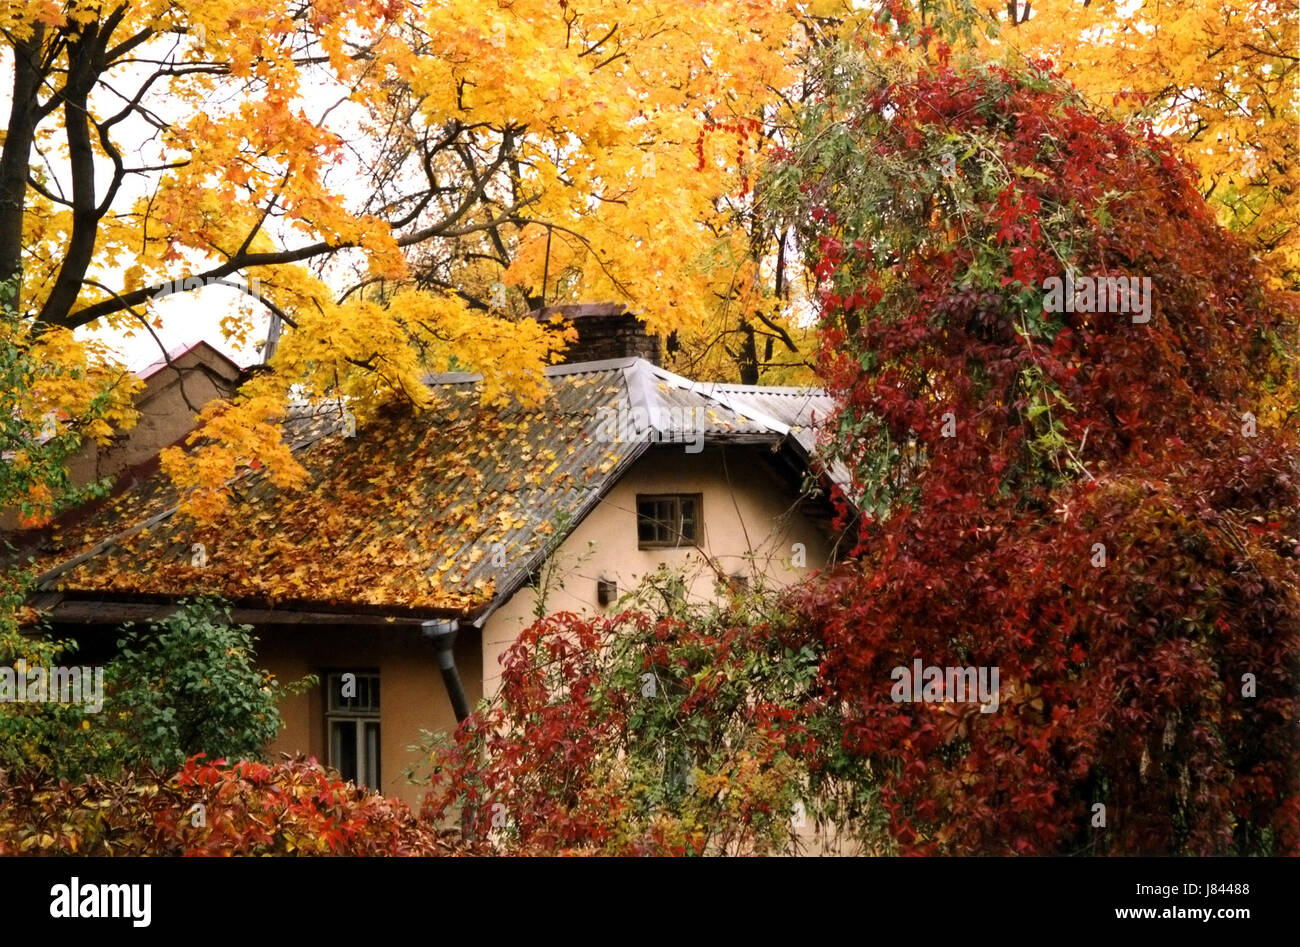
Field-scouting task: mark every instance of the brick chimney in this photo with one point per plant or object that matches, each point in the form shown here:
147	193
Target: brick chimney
605	330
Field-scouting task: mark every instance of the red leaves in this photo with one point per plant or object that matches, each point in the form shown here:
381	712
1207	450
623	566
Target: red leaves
249	808
603	726
1007	216
1122	676
743	128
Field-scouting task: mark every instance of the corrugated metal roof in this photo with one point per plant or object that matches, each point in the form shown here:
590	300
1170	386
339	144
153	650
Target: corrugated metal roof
804	410
440	512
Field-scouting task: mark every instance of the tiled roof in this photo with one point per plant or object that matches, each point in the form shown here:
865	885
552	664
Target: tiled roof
426	514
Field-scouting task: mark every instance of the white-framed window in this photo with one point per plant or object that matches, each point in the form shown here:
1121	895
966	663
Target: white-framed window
352	725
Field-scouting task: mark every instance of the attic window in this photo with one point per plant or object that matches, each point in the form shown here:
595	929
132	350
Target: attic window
668	521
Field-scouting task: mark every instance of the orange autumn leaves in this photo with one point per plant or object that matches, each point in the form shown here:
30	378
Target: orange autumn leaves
418	511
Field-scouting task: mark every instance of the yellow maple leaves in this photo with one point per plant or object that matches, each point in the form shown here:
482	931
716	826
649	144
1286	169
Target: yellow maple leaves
236	438
1219	78
614	98
79	373
606	187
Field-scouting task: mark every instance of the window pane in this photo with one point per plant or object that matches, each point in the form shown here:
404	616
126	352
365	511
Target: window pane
372	755
666	514
668	521
343	748
366	699
688	519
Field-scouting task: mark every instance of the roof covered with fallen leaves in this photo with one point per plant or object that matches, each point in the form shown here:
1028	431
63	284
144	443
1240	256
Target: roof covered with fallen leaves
431	513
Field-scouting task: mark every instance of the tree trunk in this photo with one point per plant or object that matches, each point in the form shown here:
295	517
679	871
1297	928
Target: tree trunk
80	250
17	151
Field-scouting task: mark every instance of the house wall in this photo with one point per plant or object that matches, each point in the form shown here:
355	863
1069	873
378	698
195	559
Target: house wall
749	528
412	694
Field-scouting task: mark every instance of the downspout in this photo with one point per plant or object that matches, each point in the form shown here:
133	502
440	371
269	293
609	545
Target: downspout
442	632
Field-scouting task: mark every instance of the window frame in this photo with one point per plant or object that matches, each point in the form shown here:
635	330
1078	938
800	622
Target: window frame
680	539
363	717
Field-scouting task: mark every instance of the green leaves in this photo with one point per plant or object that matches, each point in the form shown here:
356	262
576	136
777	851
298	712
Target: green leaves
184	685
187	684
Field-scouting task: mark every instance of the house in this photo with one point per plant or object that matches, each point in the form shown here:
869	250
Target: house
422	545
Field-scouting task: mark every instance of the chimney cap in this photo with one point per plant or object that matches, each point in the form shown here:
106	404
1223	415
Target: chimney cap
580	311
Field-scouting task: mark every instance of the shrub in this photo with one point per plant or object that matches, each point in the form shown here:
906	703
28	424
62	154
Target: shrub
179	686
211	808
696	730
188	684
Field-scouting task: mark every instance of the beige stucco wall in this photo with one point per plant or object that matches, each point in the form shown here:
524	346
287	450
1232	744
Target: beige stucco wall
412	695
749	528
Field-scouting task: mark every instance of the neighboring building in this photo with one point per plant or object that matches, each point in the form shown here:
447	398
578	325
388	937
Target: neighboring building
175	389
416	555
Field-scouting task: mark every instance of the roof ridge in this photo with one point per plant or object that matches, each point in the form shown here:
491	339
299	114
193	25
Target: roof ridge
550	371
807	394
450	378
177	352
773	389
640	392
752	413
598	365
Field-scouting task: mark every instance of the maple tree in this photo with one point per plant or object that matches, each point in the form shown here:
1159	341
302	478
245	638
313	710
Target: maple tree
514	154
54	391
1220	79
760	330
